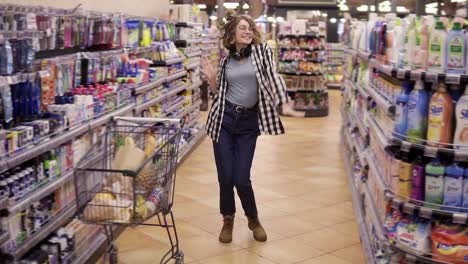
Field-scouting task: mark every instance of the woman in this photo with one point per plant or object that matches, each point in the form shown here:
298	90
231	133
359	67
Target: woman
247	91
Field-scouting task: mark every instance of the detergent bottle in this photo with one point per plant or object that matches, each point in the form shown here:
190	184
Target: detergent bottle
460	140
455	46
437	50
417	113
439	131
401	111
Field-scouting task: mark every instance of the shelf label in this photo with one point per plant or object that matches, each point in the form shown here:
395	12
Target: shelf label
425	212
408	208
401	74
452	78
431	77
430	151
459	218
405	146
415	76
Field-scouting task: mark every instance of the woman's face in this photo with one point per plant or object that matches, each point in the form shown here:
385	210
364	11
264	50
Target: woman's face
244	33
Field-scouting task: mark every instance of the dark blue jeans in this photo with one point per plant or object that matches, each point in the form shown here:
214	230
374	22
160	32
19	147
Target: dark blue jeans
234	153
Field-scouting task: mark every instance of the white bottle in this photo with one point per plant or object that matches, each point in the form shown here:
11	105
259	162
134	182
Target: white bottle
461	116
437	51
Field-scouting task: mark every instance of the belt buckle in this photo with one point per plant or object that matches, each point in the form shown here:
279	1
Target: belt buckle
239	109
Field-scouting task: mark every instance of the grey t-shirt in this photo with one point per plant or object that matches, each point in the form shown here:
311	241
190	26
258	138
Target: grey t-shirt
242	83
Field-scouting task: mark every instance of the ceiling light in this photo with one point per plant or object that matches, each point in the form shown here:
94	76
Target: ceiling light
279	19
213	17
434	4
231	5
333	20
372	8
342	20
245	6
457	1
385	3
402	9
431	10
324	14
385	9
201	6
270	19
344	8
363	8
216	6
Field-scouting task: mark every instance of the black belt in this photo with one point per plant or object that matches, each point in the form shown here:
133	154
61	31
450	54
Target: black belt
240	108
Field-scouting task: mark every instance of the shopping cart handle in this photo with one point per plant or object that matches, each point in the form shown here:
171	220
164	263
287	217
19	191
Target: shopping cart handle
150	120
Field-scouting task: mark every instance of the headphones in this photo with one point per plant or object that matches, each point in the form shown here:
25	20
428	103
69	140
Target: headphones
242	53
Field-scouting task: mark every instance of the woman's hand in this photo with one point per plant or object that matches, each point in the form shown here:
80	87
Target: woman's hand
210	74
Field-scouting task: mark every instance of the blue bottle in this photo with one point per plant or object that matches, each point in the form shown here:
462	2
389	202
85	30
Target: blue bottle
465	191
401	111
417	114
453	187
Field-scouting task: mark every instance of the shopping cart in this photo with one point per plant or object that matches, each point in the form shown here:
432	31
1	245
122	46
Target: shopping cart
128	177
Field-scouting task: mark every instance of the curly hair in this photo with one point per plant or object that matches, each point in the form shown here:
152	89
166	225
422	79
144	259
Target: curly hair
229	29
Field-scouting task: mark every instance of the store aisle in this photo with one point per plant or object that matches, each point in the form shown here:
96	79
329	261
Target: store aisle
304	204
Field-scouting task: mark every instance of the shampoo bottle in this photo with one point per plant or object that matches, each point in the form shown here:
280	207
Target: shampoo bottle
401	111
455	48
434	184
417	114
460	140
437	51
453	187
439	131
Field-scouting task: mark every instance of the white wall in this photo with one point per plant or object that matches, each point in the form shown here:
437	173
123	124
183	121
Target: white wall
150	8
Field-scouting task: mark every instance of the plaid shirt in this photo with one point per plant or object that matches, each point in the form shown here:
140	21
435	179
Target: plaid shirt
271	92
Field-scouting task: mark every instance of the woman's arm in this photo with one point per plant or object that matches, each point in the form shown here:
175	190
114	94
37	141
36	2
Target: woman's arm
276	81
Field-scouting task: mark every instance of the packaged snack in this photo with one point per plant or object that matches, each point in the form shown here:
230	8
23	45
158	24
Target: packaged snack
414	233
450	242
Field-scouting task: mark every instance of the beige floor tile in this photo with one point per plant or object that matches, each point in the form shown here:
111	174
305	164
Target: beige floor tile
184	230
327	239
191	209
238	257
203	247
147	255
290	225
134	239
349	227
325	259
286	251
292	205
352	254
321	217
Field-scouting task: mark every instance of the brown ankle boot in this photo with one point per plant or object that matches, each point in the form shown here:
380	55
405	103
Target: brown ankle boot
257	229
226	232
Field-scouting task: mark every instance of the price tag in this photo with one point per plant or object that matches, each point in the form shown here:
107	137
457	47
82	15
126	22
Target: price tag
452	78
387	70
425	212
459	218
430	151
405	146
431	77
461	156
408	208
401	74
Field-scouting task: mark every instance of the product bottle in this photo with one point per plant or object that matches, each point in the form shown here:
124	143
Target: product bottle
402	44
422	52
439	131
434	182
417	114
401	111
404	188
410	42
437	51
455	46
417	178
453	187
465	191
460	139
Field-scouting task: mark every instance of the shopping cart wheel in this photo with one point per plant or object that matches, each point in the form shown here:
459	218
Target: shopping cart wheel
179	258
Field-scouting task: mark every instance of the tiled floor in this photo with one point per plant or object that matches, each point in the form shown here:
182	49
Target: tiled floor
303	199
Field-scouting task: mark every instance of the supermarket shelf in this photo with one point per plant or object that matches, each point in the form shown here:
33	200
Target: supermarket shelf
374	214
388	107
146	105
168	62
415	257
184	153
307	60
302	73
176	76
3	203
175	91
185	43
300	36
194	54
194	85
305	90
93	246
334	85
175	106
188	24
46	145
210	41
59	220
365	239
192	66
189	109
4	237
373	166
302	48
192	123
383	140
143	88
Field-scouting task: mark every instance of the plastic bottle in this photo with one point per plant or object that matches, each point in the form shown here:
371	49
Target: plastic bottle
455	47
465	191
401	112
453	187
423	38
434	184
404	188
439	131
460	140
417	113
417	178
410	42
402	44
437	51
396	40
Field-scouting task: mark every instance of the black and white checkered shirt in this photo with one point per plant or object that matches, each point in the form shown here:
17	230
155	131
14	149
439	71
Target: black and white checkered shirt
271	89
